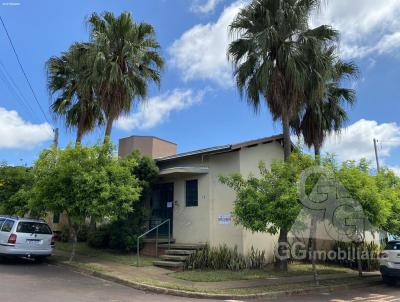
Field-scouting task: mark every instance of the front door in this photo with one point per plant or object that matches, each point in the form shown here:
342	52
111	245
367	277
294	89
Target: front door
163	207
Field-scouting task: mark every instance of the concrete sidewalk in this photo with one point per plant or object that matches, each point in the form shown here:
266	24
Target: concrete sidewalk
156	275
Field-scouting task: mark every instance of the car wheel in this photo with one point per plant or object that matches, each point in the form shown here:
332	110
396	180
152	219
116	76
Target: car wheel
389	280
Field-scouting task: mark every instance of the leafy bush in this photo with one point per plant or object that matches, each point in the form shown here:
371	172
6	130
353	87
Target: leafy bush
225	258
83	233
369	264
100	237
123	233
65	235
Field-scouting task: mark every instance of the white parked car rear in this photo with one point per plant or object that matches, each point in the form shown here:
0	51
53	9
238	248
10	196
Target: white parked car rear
389	261
23	237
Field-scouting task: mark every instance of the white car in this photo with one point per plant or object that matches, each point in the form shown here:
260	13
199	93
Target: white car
389	261
21	237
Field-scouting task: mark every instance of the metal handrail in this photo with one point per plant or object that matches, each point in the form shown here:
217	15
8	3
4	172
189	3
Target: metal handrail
149	231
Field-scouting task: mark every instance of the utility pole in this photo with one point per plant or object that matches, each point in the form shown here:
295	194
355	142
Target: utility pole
55	140
376	155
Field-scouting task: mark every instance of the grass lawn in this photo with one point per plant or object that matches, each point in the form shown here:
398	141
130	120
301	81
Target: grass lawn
295	269
108	255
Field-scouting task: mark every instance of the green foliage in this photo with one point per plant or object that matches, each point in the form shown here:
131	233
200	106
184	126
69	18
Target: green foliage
100	237
84	182
70	82
225	258
369	263
146	171
363	187
127	58
65	235
389	186
14	184
270	201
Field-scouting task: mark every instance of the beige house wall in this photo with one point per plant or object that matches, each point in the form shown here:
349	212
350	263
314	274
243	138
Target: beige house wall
222	199
191	224
200	224
249	162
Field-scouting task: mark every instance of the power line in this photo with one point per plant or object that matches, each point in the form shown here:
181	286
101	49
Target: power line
23	71
13	87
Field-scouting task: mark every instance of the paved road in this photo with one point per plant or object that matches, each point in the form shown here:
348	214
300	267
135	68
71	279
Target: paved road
25	281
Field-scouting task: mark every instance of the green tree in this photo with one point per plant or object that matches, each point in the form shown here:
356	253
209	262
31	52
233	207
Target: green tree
127	58
12	181
270	203
389	185
276	55
364	188
124	230
70	81
83	182
324	113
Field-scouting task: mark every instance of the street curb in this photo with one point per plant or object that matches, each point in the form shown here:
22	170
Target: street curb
198	295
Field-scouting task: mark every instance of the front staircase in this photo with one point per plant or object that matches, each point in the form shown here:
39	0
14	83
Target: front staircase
174	258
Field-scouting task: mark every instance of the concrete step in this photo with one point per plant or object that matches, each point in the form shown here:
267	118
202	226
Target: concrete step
184	246
161	241
169	264
174	258
179	252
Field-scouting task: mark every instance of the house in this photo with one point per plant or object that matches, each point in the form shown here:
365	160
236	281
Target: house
191	196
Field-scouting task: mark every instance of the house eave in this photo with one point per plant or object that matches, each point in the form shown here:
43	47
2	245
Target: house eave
184	170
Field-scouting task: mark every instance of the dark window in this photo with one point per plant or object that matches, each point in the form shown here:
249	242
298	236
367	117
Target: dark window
393	246
56	217
7	226
33	228
1	222
192	199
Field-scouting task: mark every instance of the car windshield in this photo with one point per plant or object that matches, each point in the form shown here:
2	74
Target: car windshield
393	246
33	228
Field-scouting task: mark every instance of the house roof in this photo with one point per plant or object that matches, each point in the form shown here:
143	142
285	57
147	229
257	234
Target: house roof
223	148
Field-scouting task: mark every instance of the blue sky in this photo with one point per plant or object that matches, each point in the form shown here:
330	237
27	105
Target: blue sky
197	105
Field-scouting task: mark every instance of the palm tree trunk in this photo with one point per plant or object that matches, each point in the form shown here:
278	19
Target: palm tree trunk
79	136
108	129
317	153
287	144
312	241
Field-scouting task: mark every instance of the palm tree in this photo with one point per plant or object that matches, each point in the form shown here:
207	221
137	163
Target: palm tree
269	55
273	55
68	79
324	113
327	114
126	59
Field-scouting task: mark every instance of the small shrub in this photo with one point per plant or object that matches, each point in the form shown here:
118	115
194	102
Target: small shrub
100	237
83	233
65	235
225	258
350	261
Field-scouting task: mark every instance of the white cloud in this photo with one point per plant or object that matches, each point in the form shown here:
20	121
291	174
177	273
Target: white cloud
200	53
15	133
204	6
356	141
157	109
366	26
395	169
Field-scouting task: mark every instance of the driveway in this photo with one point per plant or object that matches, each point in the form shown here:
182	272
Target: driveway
26	281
